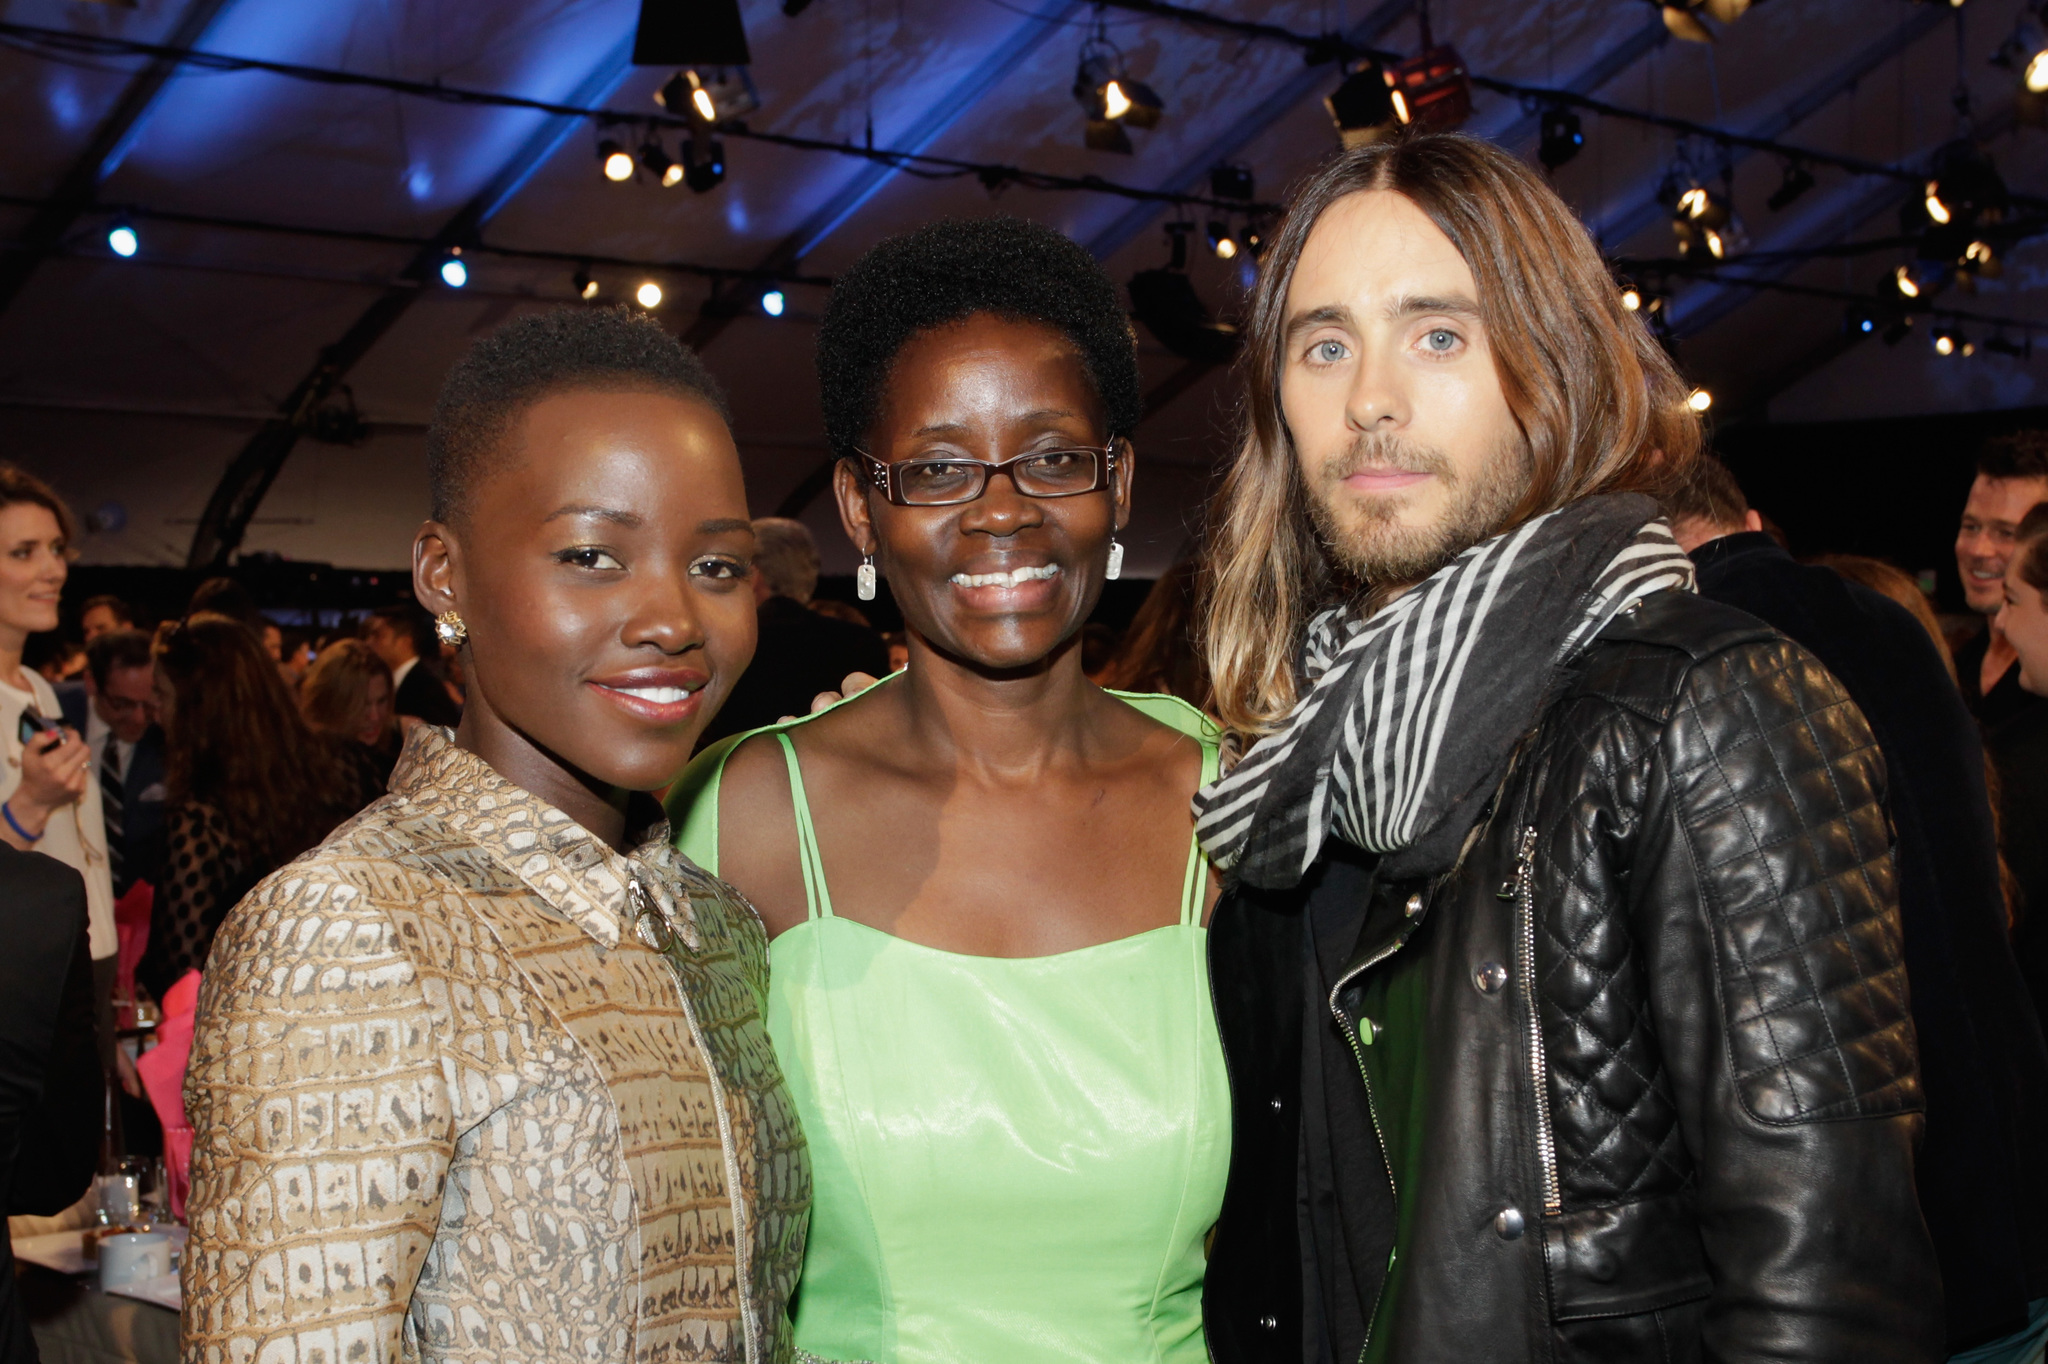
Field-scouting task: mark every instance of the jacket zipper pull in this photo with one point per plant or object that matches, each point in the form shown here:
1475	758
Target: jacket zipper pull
1525	860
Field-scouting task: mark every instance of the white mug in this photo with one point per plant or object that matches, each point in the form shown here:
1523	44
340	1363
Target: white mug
134	1256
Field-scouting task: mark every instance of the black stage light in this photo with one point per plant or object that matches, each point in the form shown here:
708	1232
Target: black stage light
2000	344
1232	182
710	94
1366	106
1898	330
1705	225
1859	319
1166	302
1222	242
1562	136
1177	234
703	164
1947	342
690	33
666	170
1111	98
1965	188
584	283
1798	179
1433	88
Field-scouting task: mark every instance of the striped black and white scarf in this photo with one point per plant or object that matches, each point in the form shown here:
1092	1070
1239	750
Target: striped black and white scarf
1410	717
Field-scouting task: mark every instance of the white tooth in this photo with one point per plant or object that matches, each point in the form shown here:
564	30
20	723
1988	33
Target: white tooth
660	696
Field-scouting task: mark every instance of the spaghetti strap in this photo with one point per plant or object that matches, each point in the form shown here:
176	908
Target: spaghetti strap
1196	882
817	899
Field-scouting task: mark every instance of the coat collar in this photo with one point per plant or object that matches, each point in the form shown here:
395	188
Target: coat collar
574	871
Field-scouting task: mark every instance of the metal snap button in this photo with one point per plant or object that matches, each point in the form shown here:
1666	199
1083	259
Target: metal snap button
1275	1101
1413	907
1508	1224
1269	1322
1490	977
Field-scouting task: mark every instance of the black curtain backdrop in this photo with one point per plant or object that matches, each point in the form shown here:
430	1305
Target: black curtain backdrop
1891	488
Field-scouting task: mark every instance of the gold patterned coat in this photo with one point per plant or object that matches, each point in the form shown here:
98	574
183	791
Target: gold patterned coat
449	1105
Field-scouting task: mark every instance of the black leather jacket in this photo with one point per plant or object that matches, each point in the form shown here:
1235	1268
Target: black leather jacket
1672	1097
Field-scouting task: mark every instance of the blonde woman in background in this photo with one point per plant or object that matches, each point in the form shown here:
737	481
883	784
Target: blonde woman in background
347	695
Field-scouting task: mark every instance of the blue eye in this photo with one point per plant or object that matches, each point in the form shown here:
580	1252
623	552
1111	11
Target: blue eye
1329	352
1440	340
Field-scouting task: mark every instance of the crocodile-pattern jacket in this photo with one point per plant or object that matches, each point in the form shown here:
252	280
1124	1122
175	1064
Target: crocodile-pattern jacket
450	1106
1671	1095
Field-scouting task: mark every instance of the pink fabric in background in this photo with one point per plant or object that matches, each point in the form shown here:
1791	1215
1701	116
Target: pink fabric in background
162	1068
131	925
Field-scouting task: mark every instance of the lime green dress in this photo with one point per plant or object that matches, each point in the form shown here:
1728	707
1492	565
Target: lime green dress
1014	1159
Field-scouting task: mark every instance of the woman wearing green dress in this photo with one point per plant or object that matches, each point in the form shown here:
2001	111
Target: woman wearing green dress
989	988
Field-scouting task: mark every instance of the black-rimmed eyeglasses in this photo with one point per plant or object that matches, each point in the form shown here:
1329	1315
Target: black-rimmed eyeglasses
955	479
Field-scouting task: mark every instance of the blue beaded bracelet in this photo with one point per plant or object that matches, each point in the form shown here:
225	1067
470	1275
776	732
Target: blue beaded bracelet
15	824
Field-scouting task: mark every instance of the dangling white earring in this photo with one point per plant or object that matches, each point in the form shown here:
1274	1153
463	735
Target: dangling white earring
864	579
1116	559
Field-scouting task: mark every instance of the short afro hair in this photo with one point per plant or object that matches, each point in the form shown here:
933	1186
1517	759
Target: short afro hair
613	349
954	269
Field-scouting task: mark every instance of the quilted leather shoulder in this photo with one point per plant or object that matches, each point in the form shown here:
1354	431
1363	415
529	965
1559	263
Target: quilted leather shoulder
1641	659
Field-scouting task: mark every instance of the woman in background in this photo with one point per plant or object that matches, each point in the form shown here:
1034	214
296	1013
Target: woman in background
49	795
347	696
250	785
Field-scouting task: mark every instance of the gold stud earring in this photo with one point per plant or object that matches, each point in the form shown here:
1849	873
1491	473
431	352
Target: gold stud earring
448	625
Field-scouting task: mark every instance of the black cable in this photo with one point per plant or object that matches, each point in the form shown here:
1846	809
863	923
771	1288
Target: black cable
214	220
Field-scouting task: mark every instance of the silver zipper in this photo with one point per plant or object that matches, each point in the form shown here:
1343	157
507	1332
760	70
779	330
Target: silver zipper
1373	1112
1539	1069
750	1325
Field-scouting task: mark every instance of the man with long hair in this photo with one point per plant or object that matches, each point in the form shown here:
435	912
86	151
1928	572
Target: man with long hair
1560	970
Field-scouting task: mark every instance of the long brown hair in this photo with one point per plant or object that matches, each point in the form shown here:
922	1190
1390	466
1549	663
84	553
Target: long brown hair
1158	652
234	740
1597	399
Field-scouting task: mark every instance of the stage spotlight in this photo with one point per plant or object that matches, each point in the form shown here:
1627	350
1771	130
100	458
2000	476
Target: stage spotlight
121	238
1966	188
1908	286
2036	77
703	166
1945	342
1859	319
1798	179
1432	89
1232	182
1705	224
774	303
711	95
1111	99
454	273
1366	107
666	171
1221	242
1632	299
584	283
616	161
648	295
1699	400
1561	138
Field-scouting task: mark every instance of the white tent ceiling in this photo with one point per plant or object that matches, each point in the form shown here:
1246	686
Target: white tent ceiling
133	384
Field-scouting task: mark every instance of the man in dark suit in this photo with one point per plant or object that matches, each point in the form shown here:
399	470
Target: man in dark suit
800	652
1982	1185
127	754
52	1091
403	637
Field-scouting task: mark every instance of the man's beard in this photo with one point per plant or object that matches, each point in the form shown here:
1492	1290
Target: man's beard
1366	538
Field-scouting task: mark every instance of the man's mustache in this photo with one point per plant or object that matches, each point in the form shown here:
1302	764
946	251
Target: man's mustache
1374	450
